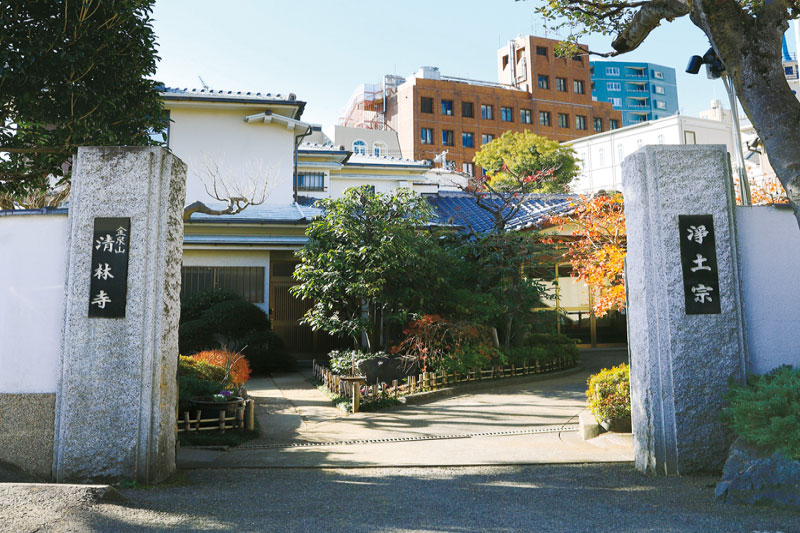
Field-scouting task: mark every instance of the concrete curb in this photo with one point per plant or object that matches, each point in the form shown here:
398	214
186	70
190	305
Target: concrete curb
588	427
71	492
467	388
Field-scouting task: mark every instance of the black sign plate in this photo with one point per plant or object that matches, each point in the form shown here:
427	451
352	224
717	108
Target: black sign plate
699	262
108	292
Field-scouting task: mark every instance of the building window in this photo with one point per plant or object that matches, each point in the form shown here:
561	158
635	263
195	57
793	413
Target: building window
525	116
638	143
426	135
660	104
447	108
468	169
616	102
467	109
467	140
447	137
598	124
658	75
247	282
620	152
580	122
563	120
487	112
541	51
507	114
661	139
379	148
426	105
486	138
613	124
578	87
311	181
544	118
561	85
614	86
577	58
359	147
689	137
612	71
544	81
600	156
658	89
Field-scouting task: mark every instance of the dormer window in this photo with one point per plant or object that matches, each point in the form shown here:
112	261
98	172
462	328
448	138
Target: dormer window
379	149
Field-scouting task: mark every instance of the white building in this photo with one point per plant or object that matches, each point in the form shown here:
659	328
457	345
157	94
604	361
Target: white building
601	155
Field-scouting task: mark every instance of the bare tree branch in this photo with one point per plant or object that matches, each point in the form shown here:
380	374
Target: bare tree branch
240	189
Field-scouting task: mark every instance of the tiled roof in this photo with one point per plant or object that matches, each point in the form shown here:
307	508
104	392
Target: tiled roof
460	209
361	159
248	97
262	214
320	147
451	209
364	159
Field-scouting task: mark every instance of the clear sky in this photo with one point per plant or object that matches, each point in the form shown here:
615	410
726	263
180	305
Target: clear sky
322	50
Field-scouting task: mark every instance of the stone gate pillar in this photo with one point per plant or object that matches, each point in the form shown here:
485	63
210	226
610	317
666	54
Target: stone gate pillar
684	308
115	404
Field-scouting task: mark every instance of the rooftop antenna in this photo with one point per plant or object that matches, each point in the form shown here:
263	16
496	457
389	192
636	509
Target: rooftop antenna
203	83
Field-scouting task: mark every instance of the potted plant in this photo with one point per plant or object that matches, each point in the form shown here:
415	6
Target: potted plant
225	400
609	398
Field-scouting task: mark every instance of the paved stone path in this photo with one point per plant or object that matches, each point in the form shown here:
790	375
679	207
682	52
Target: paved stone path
513	424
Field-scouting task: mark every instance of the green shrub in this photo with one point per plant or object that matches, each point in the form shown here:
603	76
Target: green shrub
266	352
766	411
473	356
342	360
232	320
195	336
200	370
548	339
609	393
197	378
196	305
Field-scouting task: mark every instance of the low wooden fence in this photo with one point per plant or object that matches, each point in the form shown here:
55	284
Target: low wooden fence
243	419
428	381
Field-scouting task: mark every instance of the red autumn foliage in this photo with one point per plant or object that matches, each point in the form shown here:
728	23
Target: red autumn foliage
239	368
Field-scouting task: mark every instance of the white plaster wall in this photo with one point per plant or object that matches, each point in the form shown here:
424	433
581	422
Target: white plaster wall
383	186
769	247
231	258
601	155
33	267
245	152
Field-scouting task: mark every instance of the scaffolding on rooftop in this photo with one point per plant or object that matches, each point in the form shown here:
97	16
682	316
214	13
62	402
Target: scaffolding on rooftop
367	106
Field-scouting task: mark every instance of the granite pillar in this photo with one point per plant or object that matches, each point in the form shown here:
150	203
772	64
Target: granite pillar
117	390
680	362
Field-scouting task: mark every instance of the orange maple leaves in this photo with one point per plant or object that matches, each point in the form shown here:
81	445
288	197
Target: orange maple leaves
597	251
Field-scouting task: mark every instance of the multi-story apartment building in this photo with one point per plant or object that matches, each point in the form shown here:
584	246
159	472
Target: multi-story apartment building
640	91
537	92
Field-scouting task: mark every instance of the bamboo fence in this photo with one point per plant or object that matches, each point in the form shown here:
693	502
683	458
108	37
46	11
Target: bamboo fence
243	419
429	381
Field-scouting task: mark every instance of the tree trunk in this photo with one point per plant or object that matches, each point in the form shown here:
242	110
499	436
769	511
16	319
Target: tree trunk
750	48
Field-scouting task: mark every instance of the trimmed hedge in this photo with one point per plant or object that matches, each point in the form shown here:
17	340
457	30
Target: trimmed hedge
197	378
196	305
266	352
608	393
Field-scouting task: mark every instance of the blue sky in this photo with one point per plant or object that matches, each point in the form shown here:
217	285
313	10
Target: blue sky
322	50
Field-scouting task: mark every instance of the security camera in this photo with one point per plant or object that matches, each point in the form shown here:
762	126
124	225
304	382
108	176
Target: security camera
695	62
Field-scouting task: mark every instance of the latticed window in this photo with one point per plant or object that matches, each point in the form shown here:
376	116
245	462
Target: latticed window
247	282
311	181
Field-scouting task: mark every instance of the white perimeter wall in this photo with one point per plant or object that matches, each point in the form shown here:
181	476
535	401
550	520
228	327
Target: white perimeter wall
33	267
769	248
